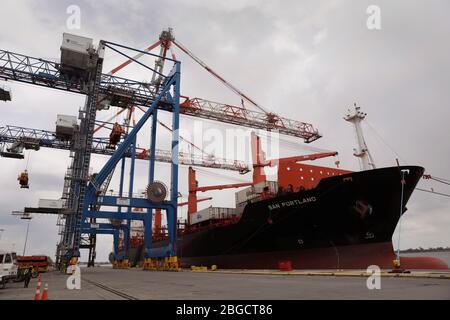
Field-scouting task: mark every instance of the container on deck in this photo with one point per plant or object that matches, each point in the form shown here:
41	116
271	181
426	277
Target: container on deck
254	192
212	213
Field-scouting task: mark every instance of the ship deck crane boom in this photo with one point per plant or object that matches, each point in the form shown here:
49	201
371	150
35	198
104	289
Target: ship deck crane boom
194	188
259	159
307	157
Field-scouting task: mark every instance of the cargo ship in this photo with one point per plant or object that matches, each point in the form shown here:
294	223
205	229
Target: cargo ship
313	217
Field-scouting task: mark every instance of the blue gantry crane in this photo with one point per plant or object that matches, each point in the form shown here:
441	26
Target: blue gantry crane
155	191
14	139
80	71
83	74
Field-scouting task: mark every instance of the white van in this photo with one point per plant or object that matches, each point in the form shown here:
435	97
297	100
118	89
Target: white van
8	266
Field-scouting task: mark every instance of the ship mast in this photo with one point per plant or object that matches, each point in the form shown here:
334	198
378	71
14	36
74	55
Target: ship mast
362	152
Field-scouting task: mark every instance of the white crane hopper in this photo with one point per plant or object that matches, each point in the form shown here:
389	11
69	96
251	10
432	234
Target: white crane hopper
76	51
65	125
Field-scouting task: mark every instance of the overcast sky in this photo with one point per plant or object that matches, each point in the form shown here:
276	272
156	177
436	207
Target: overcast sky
305	60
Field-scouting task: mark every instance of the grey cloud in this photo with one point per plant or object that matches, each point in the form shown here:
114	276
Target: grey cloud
306	60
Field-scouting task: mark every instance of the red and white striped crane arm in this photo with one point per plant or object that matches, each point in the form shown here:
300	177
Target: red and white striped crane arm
241	116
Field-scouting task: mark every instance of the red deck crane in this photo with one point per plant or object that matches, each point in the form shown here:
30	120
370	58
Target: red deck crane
259	162
259	159
158	214
194	188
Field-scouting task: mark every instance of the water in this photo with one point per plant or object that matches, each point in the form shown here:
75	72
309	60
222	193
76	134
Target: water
444	256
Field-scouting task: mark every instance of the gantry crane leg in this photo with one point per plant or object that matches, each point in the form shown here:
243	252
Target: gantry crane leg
170	92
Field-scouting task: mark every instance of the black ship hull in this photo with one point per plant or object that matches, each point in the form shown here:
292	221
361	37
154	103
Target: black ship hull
347	221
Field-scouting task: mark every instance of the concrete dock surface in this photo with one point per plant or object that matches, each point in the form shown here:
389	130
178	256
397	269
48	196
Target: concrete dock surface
105	283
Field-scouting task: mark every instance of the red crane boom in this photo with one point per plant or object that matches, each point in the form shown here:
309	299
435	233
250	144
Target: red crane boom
194	188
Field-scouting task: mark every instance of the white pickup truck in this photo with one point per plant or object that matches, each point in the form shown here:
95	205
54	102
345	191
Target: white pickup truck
8	267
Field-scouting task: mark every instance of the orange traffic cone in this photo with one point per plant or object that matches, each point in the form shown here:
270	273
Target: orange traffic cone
37	295
45	293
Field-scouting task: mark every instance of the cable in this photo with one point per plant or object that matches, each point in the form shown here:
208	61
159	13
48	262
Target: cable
189	143
437	193
441	180
28	160
444	181
185	140
384	141
215	174
213	73
401	215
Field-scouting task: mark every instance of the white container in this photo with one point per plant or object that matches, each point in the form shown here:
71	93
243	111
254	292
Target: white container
65	125
76	51
49	203
212	213
255	191
245	194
